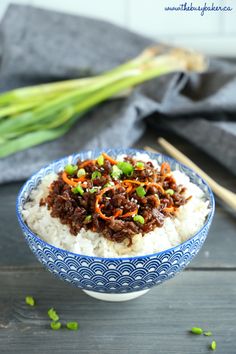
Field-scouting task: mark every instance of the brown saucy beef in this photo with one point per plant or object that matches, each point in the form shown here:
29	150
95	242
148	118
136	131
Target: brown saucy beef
116	199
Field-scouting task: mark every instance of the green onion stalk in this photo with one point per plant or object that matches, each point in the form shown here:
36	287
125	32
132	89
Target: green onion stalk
33	115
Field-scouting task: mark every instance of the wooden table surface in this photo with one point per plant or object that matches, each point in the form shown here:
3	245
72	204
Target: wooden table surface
203	295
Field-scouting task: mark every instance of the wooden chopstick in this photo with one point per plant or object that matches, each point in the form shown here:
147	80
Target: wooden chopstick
224	194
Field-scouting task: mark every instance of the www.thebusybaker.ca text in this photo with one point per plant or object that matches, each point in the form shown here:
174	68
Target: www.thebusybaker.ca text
189	7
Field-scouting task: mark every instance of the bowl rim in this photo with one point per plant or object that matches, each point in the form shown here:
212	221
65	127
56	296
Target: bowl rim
152	155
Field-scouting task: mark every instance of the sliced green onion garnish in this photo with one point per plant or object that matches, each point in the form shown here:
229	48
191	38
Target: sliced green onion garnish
100	160
116	172
139	218
139	164
53	315
55	325
207	334
125	167
107	185
88	218
213	345
78	190
72	326
196	330
96	174
71	169
93	190
29	300
170	191
81	172
140	191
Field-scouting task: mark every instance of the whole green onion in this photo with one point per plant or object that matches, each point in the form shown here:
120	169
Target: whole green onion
33	115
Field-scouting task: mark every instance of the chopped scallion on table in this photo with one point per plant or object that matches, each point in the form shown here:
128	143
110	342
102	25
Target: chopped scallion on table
196	330
29	300
72	326
55	325
213	345
53	315
207	334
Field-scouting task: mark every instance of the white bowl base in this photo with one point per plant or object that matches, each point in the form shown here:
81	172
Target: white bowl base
116	297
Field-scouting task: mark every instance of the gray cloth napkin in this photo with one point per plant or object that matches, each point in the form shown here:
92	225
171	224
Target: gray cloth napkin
40	46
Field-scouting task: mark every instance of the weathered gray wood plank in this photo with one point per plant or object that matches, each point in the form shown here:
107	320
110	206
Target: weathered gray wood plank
155	323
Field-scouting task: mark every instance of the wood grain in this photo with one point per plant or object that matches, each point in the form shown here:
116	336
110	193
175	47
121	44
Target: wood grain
155	323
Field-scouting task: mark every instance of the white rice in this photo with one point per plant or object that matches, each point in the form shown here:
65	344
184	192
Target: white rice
188	220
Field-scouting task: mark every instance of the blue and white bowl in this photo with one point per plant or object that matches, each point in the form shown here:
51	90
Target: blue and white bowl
113	279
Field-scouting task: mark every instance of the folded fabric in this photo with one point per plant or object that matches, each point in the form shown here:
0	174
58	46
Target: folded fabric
41	46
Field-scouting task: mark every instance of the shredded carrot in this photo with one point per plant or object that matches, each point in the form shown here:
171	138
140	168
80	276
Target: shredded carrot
165	168
130	213
129	189
109	158
86	163
73	181
118	213
133	181
98	199
81	179
169	210
68	181
149	184
154	177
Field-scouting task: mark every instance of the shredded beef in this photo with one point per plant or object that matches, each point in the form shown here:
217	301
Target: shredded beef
108	204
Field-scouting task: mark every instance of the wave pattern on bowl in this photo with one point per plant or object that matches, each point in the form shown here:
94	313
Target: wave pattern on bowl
113	275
